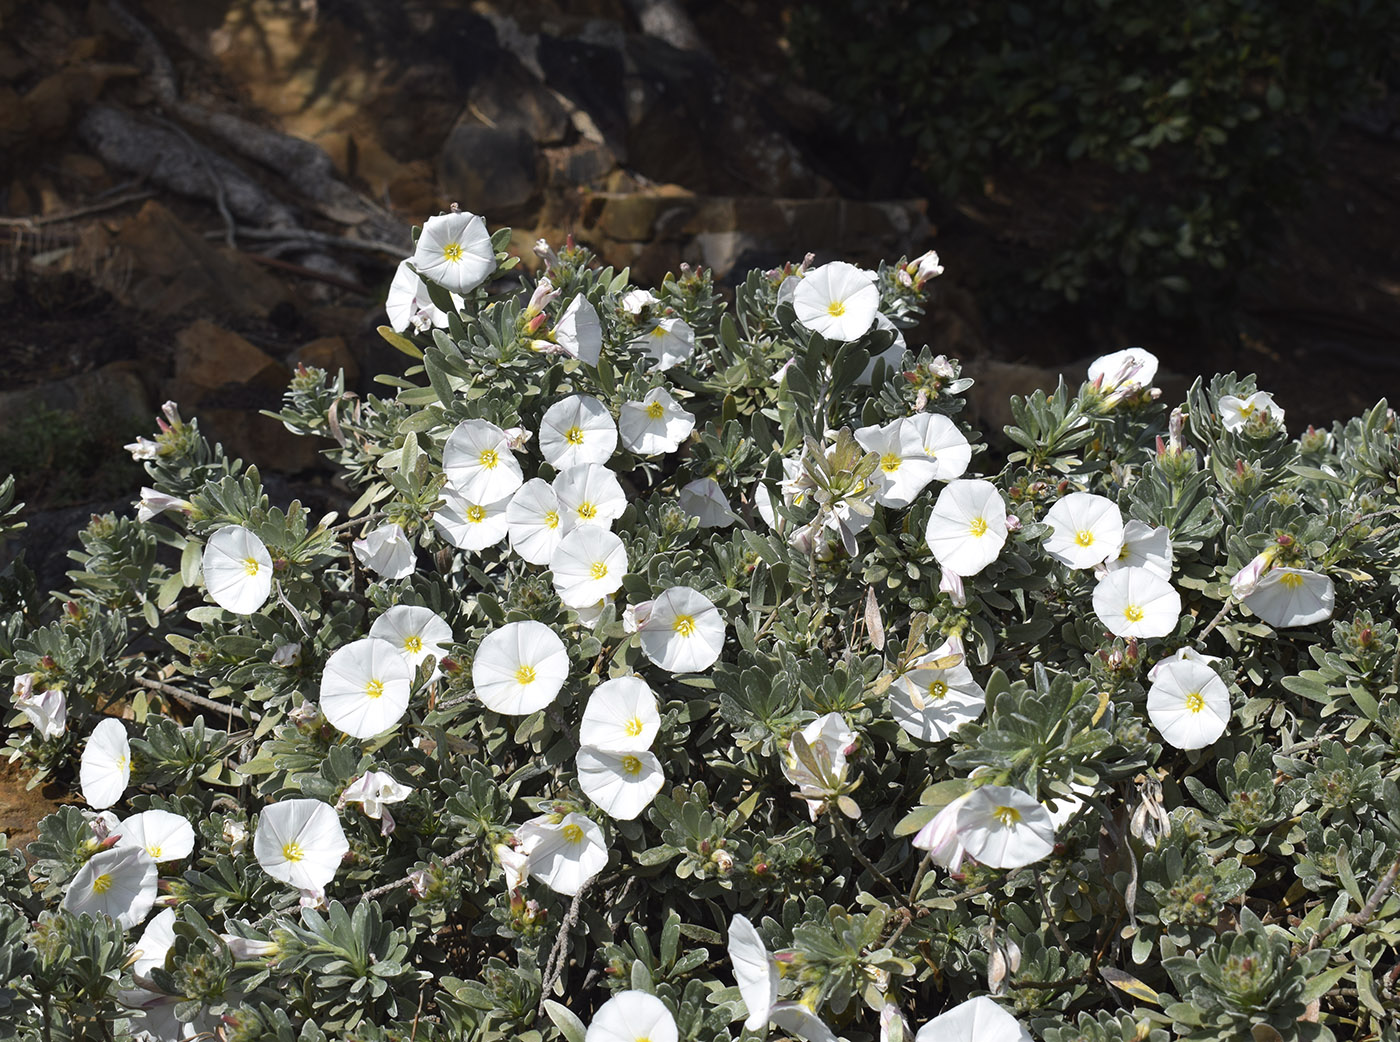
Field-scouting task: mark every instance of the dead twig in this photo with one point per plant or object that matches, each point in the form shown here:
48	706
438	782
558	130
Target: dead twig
215	181
1362	917
191	699
38	221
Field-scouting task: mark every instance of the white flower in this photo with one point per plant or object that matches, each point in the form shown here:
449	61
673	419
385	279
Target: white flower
633	1016
579	331
976	1020
153	503
621	717
237	570
365	687
703	498
951	583
1247	578
105	768
1292	597
589	614
374	790
120	882
454	250
925	266
838	301
634	300
287	655
479	463
1189	704
387	552
248	949
755	970
655	425
622	784
415	631
235	834
669	343
519	668
798	1019
1182	655
163	835
1137	602
682	631
300	842
47	710
143	448
588	565
156	941
905	469
536	522
577	430
408	303
1004	827
566	855
514	863
1235	412
1085	529
940	835
943	443
589	494
830	740
1144	547
471	526
967	528
1125	371
931	702
891	356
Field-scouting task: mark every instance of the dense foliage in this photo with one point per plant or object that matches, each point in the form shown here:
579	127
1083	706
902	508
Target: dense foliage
1205	118
384	875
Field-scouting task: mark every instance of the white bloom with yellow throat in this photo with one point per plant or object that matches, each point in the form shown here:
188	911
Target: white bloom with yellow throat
1292	597
943	443
589	494
1236	412
830	741
1137	602
46	709
655	425
621	716
1125	371
579	332
967	528
535	521
1188	703
905	469
669	343
365	687
1004	827
976	1020
374	791
237	570
681	631
119	882
454	250
1085	530
105	769
577	430
588	565
755	971
471	526
163	835
621	784
154	944
409	304
838	301
633	1016
520	668
300	842
387	552
937	695
563	855
1144	547
415	631
479	463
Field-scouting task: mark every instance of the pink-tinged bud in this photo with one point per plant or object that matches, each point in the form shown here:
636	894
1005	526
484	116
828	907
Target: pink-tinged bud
1239	468
952	584
787	957
1247	578
1161	447
1013	523
940	836
534	324
544	294
1284	539
807	262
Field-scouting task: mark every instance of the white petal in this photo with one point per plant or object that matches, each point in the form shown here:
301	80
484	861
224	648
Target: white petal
237	570
105	768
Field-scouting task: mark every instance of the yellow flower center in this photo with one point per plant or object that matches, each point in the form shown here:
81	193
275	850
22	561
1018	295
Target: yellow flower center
937	689
1132	613
1008	816
1247	409
684	625
587	511
1084	537
889	462
413	645
452	251
476	513
525	675
658	332
599	570
551	519
154	851
251	566
102	884
489	458
1123	553
1290	580
1195	702
292	851
656	410
573	833
374	689
978	527
574	435
632	765
121	763
633	727
836	308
